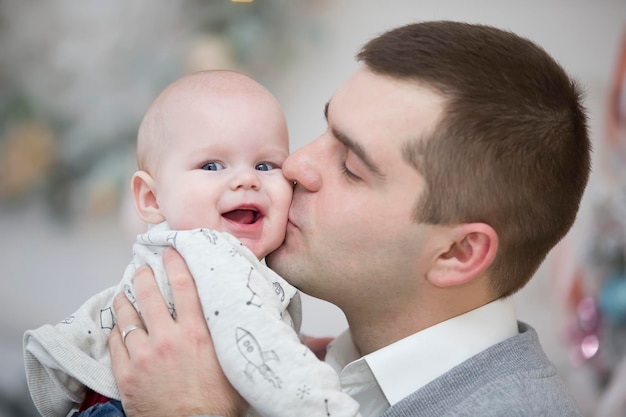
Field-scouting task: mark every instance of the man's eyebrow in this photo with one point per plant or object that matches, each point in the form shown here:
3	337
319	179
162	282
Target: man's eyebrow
355	147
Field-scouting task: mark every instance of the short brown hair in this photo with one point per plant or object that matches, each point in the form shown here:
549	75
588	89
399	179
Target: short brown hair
512	148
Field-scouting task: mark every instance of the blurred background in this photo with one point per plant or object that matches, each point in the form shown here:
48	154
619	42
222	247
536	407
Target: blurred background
76	78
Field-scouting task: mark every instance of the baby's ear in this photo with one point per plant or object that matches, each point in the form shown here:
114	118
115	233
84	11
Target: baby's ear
144	191
472	249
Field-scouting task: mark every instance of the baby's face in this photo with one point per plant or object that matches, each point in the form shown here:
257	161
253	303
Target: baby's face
222	169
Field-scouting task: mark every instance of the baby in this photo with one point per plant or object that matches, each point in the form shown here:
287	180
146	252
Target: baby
209	184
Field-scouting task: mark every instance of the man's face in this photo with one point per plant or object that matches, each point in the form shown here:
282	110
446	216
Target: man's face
351	238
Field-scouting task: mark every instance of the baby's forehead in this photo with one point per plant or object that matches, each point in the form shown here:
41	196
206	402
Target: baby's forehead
218	94
200	101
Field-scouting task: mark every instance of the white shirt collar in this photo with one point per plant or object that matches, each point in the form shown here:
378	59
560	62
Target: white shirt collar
410	363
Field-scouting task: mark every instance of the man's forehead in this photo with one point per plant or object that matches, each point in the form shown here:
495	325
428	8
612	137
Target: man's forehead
381	114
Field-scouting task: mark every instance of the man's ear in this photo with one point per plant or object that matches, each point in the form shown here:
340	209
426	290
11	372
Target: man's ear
144	196
472	249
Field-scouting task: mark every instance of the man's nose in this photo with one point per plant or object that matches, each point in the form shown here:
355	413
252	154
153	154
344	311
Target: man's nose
246	179
302	166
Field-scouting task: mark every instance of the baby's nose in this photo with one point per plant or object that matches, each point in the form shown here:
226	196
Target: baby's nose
246	179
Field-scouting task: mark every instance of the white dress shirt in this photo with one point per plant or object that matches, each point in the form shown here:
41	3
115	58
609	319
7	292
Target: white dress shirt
384	377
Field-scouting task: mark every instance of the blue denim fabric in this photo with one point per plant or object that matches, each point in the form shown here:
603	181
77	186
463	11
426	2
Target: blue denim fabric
112	408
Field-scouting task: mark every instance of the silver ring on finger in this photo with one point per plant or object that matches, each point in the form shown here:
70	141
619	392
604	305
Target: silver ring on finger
129	329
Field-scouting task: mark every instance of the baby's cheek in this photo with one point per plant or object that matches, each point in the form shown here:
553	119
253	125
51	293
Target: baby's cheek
186	219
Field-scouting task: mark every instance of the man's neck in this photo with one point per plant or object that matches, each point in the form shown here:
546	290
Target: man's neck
371	333
374	329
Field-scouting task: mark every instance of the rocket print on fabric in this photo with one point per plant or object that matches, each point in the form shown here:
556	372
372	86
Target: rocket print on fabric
251	351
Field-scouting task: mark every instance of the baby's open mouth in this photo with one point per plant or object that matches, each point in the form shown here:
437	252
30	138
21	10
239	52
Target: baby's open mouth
243	216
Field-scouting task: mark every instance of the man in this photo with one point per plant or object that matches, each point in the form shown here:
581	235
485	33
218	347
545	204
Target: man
455	158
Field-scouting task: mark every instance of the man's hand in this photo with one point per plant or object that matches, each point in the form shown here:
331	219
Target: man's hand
169	369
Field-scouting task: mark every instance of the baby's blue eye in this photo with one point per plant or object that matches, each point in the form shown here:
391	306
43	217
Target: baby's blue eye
212	166
264	166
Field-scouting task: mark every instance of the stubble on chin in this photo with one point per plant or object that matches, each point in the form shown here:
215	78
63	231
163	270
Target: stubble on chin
282	262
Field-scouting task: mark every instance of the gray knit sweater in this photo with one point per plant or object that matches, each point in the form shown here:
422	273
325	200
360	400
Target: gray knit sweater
511	379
